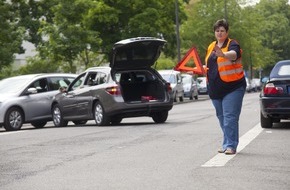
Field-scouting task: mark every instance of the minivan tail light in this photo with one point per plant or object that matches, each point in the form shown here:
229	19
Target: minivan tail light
271	89
113	90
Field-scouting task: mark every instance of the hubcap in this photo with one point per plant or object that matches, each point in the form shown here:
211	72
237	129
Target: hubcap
15	119
98	113
56	115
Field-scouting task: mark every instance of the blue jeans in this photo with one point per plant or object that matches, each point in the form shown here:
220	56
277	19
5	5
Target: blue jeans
228	111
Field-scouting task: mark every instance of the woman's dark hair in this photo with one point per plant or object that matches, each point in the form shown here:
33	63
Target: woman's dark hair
220	23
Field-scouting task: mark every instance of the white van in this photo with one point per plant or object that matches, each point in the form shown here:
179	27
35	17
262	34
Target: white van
202	85
175	80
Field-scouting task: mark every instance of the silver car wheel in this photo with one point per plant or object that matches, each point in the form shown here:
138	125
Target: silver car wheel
56	116
98	114
15	120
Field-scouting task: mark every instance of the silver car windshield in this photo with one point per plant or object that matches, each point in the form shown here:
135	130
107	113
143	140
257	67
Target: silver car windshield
14	84
169	78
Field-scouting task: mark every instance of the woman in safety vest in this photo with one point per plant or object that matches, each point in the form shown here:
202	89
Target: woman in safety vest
226	84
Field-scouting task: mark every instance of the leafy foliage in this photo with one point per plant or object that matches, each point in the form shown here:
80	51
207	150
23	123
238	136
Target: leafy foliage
11	36
74	34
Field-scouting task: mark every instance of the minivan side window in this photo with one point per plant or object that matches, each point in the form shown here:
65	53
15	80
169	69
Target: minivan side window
95	78
77	82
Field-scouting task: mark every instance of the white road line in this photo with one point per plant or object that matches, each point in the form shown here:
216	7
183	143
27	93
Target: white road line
9	133
221	159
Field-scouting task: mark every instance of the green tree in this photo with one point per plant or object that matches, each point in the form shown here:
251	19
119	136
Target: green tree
116	20
67	32
67	37
275	26
198	30
262	30
10	34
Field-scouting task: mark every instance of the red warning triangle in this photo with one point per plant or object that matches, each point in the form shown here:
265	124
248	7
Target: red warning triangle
186	65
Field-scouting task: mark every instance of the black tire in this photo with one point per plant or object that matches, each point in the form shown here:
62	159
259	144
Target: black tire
116	121
181	98
266	122
160	117
14	119
100	115
80	122
38	124
175	97
57	117
191	96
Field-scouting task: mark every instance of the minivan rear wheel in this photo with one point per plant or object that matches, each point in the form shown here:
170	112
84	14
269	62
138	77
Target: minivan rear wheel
160	117
100	115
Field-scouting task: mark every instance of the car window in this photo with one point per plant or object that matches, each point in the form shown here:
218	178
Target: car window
41	85
169	78
77	82
284	70
91	79
132	77
95	78
102	78
56	82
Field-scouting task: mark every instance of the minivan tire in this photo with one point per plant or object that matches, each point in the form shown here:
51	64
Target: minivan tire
100	115
160	117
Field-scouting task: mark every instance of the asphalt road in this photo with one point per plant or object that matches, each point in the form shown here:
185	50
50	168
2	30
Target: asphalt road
140	155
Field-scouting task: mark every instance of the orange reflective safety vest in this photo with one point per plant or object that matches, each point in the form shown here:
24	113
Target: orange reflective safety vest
229	70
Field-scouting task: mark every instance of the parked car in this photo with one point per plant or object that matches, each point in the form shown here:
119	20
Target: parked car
128	88
174	78
27	99
275	95
189	86
202	85
249	85
256	84
264	80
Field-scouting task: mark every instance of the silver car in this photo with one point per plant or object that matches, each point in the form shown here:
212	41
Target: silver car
190	86
128	88
27	99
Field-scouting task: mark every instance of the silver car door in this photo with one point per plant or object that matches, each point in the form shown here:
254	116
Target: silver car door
37	106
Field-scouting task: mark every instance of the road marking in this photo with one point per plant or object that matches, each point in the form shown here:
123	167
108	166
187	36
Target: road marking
221	159
12	132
